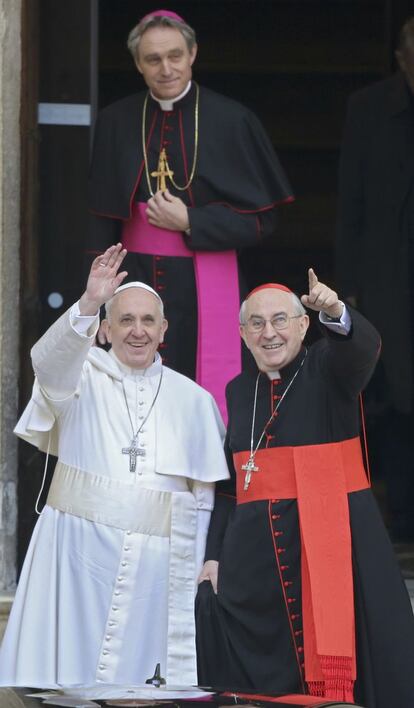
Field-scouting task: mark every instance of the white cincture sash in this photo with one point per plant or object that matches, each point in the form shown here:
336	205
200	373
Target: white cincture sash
113	502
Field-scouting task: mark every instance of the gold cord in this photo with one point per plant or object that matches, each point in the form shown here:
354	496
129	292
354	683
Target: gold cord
144	146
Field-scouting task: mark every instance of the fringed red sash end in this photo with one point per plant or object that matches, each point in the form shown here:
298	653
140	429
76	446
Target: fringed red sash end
340	691
316	688
338	679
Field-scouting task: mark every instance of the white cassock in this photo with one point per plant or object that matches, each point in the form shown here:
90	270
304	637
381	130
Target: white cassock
107	587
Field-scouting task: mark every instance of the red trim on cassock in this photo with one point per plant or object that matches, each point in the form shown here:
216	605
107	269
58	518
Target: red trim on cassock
320	478
364	438
291	616
287	200
291	699
258	227
107	216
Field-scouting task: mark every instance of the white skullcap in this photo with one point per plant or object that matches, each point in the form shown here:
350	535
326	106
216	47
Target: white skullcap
137	284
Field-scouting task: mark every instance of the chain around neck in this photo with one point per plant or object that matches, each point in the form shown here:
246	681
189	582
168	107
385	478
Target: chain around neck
144	145
253	451
139	428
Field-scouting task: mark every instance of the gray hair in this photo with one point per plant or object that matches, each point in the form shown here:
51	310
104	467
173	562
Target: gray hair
109	305
298	308
406	35
150	21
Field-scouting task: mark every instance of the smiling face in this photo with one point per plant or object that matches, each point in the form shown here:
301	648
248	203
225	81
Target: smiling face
135	327
165	61
273	349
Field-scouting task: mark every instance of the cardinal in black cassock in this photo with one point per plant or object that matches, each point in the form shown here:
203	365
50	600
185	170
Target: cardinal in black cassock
185	178
301	591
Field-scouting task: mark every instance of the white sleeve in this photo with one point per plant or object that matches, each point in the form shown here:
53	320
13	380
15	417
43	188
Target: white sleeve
204	496
59	355
81	323
343	326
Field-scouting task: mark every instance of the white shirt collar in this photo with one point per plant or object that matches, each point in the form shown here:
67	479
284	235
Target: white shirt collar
273	375
152	370
168	104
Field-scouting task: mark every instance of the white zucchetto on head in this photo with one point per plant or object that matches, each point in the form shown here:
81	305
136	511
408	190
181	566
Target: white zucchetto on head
137	284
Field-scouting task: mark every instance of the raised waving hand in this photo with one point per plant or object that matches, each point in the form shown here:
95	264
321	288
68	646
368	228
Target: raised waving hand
103	279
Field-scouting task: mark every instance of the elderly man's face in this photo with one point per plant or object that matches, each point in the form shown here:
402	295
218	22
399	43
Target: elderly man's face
405	59
165	61
136	327
273	349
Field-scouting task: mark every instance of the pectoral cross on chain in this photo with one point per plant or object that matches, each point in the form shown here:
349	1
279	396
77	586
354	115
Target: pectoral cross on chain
162	172
133	451
249	467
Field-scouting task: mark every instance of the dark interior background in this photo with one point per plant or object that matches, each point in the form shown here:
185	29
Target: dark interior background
294	62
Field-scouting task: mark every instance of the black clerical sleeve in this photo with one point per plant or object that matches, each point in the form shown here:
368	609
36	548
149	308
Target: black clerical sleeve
351	359
225	502
103	233
238	175
217	227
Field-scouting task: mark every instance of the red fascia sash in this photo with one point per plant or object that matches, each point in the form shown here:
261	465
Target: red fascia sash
320	478
294	699
218	299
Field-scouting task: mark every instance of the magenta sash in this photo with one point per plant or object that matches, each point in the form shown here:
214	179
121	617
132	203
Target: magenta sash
218	301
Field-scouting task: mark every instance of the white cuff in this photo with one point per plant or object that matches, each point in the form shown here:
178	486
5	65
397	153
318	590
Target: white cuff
343	326
81	323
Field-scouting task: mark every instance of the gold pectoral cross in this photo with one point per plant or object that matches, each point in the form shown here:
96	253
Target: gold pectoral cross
162	172
249	467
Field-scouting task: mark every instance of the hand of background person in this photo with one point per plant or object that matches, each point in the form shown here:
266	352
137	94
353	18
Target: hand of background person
167	212
321	298
209	572
103	279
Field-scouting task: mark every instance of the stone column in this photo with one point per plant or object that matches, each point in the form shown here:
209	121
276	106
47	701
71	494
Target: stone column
10	97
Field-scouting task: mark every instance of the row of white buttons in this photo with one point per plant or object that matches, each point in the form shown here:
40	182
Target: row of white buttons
113	623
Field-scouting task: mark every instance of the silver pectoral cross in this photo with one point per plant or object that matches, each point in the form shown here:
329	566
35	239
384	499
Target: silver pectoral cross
249	467
133	451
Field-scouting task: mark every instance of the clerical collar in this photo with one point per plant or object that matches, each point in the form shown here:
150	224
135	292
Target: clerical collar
168	104
287	371
152	370
273	375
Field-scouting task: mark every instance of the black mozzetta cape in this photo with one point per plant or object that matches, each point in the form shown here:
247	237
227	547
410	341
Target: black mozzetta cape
238	183
250	635
236	163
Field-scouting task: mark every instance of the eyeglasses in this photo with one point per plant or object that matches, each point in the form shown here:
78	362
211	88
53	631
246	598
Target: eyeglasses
257	324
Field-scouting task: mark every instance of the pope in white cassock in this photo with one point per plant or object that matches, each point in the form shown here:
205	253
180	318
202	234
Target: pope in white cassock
107	588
